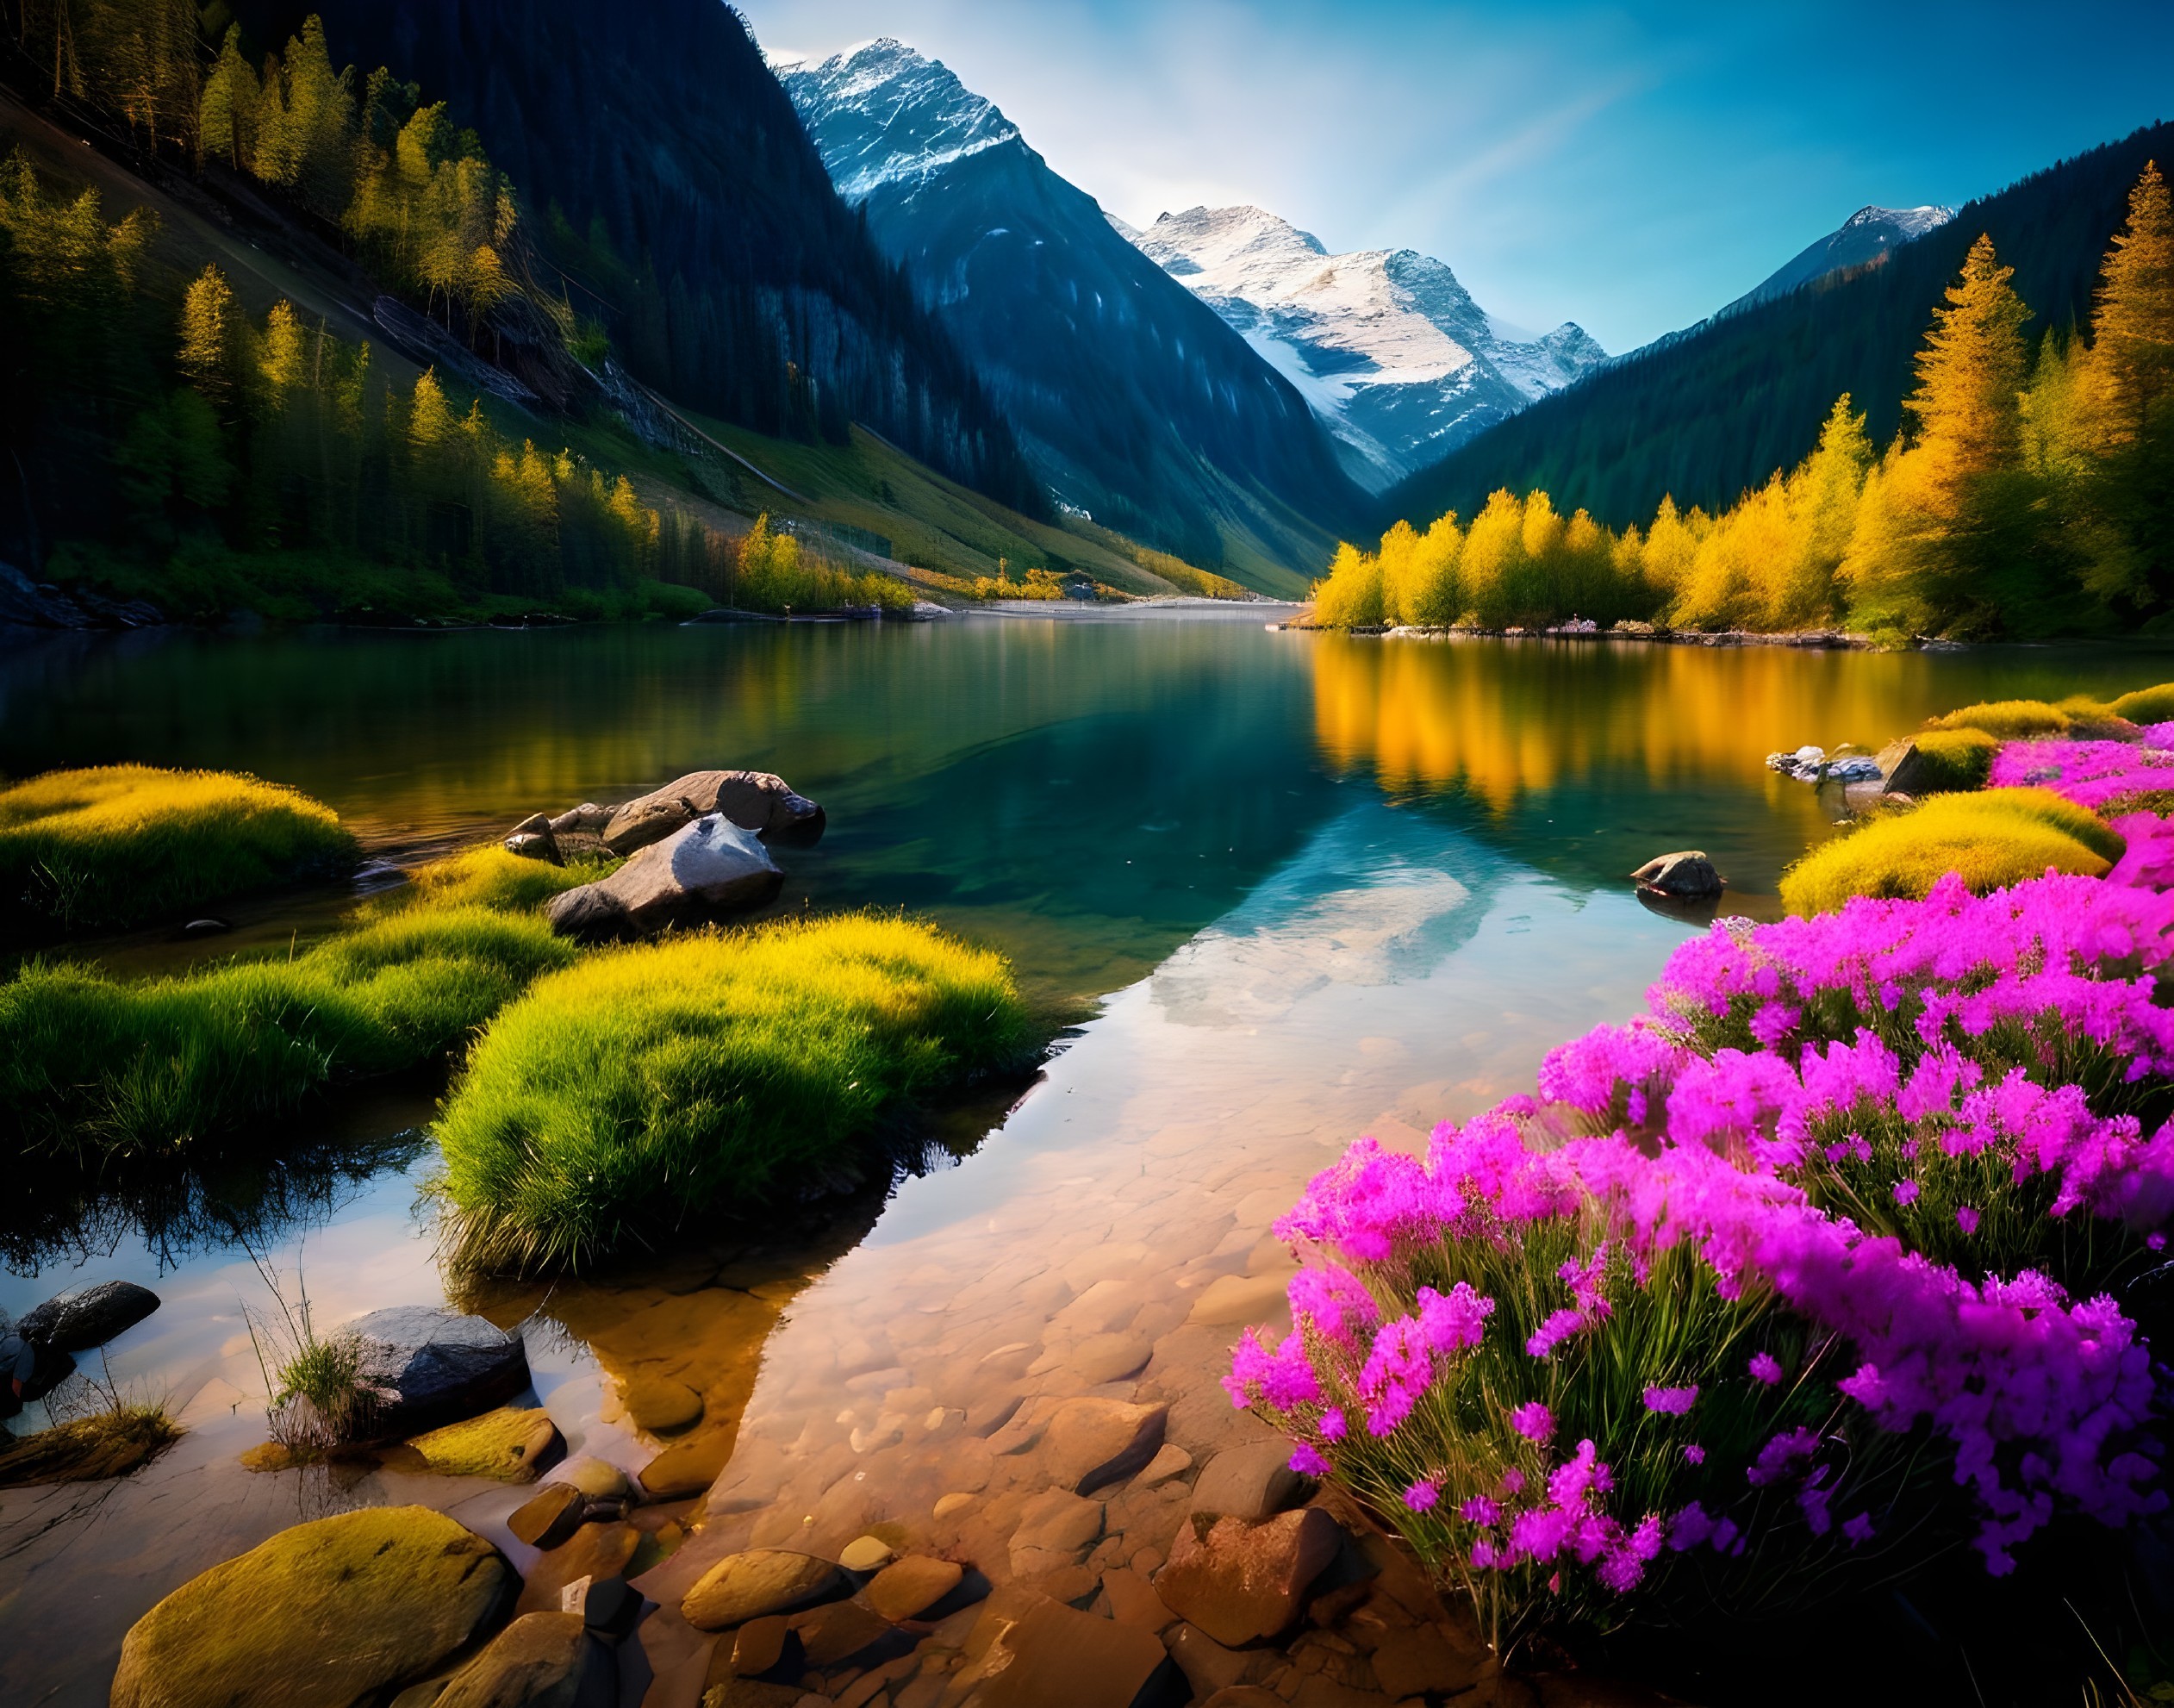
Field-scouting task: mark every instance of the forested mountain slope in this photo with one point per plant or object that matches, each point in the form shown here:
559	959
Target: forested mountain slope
665	172
1135	401
1705	417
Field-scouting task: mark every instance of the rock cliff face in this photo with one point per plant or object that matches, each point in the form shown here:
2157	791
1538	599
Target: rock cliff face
663	169
1135	401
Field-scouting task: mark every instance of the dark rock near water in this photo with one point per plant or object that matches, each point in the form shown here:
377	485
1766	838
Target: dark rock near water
1061	1658
1251	1482
550	1517
586	820
1689	875
532	838
1241	1583
25	603
755	800
708	868
423	1368
537	1662
91	1316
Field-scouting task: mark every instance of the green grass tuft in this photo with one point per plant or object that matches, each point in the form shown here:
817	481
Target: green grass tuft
119	845
2008	720
488	877
651	1083
91	1065
1993	839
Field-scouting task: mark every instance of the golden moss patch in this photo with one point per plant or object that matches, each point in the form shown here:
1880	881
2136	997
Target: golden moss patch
118	845
108	1443
1992	838
2007	720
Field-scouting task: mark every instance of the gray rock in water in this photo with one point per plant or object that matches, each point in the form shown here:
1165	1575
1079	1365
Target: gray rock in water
423	1368
708	868
586	820
755	800
90	1316
1689	875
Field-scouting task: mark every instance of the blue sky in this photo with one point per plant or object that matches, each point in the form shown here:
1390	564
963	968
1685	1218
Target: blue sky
1630	167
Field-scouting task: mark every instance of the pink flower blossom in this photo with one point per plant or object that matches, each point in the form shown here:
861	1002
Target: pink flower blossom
1533	1421
1765	1367
1671	1401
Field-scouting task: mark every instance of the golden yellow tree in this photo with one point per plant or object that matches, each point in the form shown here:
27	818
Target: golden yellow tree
210	335
2131	362
1971	374
227	119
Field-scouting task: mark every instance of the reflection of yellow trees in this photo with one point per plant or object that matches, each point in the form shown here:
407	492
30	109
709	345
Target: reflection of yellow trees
1503	721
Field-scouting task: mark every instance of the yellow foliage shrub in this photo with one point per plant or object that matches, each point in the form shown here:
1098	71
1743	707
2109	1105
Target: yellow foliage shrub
1992	838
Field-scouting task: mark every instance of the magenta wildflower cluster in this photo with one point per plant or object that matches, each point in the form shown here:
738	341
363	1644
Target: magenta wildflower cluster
1854	1184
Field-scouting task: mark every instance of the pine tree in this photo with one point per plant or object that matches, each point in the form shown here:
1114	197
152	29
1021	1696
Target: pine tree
1970	373
2131	366
227	119
210	326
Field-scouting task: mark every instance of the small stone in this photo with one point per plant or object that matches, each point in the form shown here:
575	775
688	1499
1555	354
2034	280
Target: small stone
1134	1602
1229	1300
1093	1442
535	1662
1688	875
1252	1482
512	1444
743	1586
759	1644
547	1519
594	1551
909	1587
688	1466
948	1504
1241	1582
598	1479
1055	1529
839	1630
1207	1665
660	1405
1170	1461
1423	1662
1060	1658
866	1554
1110	1357
90	1316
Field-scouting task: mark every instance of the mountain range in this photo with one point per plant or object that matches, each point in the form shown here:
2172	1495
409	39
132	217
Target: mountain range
672	187
1385	345
1866	238
1706	414
1134	401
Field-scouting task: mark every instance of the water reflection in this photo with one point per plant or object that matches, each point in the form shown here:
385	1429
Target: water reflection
1589	757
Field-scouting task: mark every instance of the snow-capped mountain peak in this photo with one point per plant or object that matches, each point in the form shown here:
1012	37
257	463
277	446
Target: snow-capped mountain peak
1863	239
893	114
1387	344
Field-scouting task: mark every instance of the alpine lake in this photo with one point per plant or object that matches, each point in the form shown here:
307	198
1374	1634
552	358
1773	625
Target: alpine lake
1275	890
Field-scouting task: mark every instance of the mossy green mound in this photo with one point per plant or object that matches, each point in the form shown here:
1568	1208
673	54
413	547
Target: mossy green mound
649	1083
2007	720
1993	839
108	1443
92	1065
325	1615
119	844
489	878
2147	705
